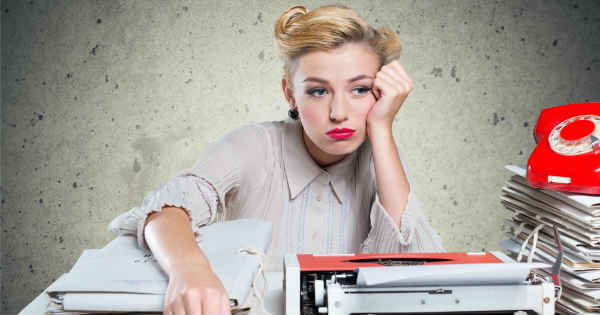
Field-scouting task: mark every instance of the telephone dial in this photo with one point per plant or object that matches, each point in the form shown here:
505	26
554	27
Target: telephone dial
567	155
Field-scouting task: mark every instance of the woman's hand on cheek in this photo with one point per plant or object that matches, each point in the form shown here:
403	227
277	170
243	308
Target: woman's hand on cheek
390	88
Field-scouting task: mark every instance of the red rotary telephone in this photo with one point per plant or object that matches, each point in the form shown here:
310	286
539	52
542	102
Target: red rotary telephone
567	156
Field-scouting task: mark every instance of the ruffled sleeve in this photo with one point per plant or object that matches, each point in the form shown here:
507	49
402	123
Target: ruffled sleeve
187	191
201	191
415	233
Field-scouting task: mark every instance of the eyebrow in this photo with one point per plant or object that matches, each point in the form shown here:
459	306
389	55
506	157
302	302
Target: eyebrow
356	78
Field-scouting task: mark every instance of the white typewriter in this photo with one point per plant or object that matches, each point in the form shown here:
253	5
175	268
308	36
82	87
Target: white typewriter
436	283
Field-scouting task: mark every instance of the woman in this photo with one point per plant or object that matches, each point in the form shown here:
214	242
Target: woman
330	179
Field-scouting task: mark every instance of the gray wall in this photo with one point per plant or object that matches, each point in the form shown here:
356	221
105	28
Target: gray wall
1	187
105	100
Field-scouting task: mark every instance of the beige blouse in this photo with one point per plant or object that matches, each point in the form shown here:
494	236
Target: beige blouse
264	171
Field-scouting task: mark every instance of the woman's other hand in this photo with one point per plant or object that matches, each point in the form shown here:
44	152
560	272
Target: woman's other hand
195	289
193	286
390	88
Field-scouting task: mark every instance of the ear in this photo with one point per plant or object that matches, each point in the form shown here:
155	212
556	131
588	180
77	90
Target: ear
288	93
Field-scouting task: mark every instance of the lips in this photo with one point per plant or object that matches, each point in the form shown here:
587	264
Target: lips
340	133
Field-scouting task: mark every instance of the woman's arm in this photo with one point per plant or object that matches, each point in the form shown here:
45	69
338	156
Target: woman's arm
193	286
397	221
169	218
391	87
169	236
392	185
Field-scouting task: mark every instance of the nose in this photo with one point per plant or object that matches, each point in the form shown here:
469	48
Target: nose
338	110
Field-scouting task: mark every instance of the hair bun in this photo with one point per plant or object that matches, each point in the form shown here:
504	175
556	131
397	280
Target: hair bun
299	31
287	18
390	44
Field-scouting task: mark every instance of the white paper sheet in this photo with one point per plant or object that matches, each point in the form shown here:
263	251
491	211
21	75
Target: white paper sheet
589	201
451	274
536	198
551	217
562	196
121	302
589	275
273	299
97	280
570	247
566	228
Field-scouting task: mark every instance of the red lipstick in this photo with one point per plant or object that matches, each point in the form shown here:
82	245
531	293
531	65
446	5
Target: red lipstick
340	133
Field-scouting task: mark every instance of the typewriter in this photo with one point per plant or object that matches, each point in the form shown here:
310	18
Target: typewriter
435	283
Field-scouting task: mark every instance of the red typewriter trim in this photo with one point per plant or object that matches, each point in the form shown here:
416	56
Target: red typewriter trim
309	262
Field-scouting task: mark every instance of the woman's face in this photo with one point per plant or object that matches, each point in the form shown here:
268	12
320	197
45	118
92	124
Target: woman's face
332	92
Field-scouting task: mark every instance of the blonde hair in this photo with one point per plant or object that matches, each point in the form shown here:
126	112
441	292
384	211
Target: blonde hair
298	31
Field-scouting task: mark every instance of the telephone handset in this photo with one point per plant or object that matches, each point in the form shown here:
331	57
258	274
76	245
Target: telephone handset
567	155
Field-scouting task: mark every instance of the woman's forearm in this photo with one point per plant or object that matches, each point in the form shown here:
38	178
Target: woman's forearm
169	236
392	185
193	287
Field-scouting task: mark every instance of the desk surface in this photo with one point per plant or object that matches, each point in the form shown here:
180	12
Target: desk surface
273	298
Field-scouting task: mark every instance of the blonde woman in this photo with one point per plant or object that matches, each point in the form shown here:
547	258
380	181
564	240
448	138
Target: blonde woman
330	178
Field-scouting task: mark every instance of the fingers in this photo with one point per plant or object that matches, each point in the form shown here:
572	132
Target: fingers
225	305
392	80
388	86
195	305
168	310
195	291
400	69
384	83
376	91
176	307
193	302
396	67
393	86
188	303
216	304
396	75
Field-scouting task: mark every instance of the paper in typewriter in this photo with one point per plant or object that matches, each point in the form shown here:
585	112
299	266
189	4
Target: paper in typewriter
451	274
123	277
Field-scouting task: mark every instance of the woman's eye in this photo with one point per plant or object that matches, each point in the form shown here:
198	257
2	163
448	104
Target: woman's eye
361	90
316	92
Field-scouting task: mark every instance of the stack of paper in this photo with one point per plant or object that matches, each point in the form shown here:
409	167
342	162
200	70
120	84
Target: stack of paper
577	218
121	277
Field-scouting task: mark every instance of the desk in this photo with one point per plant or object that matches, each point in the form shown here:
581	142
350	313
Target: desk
273	298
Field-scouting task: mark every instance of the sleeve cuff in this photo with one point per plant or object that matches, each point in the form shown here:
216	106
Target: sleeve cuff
385	235
414	235
193	194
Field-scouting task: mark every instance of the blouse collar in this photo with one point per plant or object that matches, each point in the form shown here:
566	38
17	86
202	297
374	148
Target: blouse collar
300	168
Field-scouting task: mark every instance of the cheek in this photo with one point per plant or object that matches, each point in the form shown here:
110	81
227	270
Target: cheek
313	111
310	113
365	106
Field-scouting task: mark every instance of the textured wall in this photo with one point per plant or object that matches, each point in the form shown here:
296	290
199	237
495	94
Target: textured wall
105	100
1	168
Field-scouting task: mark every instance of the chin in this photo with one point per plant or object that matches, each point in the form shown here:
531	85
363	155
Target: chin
342	147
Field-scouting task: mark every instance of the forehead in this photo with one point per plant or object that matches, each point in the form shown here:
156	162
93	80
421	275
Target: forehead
341	63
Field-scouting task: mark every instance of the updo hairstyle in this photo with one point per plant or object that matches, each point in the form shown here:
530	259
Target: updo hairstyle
298	31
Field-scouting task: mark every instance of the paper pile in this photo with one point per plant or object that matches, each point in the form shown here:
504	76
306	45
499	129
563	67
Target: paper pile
577	218
121	277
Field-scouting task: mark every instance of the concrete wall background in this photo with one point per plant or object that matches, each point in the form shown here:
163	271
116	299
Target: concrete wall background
1	190
103	101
